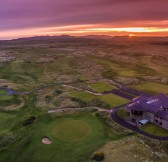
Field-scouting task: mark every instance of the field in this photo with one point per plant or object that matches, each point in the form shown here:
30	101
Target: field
60	83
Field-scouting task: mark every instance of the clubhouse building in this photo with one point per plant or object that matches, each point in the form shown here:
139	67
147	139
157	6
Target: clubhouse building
145	109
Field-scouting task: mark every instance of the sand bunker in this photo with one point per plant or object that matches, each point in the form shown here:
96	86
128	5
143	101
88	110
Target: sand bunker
46	140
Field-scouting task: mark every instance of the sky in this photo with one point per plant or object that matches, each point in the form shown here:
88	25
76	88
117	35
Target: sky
25	18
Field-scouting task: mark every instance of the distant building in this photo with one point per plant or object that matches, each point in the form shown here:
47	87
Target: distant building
153	109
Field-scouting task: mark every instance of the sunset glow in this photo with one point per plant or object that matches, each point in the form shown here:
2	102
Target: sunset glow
79	30
47	17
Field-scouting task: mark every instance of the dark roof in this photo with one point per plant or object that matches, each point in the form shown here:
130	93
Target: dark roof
164	100
150	104
162	114
136	107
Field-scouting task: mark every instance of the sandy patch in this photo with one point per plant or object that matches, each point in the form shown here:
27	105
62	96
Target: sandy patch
46	141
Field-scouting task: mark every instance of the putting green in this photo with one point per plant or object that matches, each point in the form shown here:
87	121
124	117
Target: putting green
71	130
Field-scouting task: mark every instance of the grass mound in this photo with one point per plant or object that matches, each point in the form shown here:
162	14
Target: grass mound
71	130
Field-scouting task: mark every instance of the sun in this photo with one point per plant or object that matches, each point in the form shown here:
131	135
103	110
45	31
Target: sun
131	35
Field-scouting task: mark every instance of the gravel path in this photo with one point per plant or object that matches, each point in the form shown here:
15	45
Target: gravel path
78	109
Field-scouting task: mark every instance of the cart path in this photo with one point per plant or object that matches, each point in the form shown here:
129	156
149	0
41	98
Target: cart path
78	109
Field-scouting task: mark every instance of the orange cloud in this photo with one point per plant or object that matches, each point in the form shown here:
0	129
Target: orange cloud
85	30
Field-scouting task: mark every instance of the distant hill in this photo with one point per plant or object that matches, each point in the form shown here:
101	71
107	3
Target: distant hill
97	37
36	39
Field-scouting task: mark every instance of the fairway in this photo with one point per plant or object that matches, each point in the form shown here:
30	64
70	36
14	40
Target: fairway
113	100
84	96
2	91
152	87
101	87
5	122
71	130
5	98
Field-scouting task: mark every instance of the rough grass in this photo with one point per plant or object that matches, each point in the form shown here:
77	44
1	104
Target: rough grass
122	114
152	87
127	150
113	100
101	87
154	129
127	73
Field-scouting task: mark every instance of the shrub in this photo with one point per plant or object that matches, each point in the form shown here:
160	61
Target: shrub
7	139
99	156
79	101
58	92
99	103
109	74
29	121
143	69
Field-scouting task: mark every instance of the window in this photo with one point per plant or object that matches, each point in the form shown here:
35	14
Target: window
156	121
138	113
160	123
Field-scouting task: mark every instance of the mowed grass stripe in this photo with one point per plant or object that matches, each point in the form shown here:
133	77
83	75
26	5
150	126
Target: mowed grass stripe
113	100
101	87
